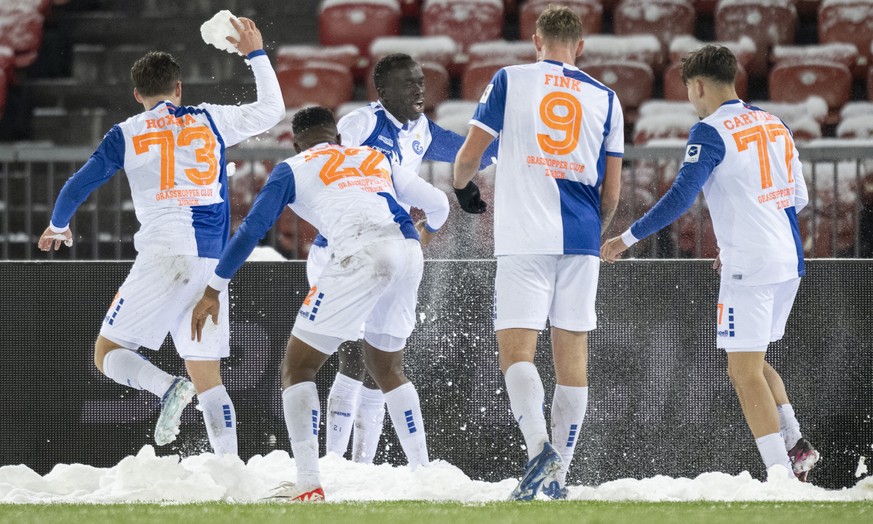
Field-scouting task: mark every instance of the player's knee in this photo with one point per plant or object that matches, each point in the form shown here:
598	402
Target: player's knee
101	349
351	361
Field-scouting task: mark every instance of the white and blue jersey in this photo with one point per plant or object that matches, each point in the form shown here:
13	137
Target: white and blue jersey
174	158
349	193
556	127
745	161
406	144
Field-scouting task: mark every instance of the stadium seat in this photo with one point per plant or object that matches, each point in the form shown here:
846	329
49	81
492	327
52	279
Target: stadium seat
455	115
319	83
21	29
296	55
795	82
668	125
436	82
846	54
478	75
767	23
410	8
632	81
662	18
466	21
611	48
804	118
3	88
674	89
436	49
830	219
744	48
514	52
355	22
851	22
590	12
705	7
7	60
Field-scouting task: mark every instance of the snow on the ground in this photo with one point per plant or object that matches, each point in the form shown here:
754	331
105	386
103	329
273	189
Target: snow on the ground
149	478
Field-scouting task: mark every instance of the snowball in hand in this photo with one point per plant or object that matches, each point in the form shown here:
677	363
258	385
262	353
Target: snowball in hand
216	30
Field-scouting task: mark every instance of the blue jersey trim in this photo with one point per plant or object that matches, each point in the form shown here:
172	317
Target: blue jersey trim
400	216
688	182
580	217
319	241
798	243
106	160
279	191
617	155
256	52
211	222
491	112
385	130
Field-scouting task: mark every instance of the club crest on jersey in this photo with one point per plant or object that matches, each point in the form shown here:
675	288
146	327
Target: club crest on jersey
486	94
692	152
416	146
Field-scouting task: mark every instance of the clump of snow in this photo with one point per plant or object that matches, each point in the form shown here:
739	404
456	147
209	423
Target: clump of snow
308	52
149	478
494	3
663	125
836	52
440	49
652	11
265	254
856	109
859	126
666	107
862	467
216	30
755	3
813	106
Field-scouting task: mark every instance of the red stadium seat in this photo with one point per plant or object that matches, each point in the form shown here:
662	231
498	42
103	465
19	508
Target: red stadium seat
631	81
706	7
796	82
410	8
21	29
590	12
478	75
466	21
843	53
437	49
663	18
436	85
357	22
673	125
515	52
769	23
320	83
674	89
850	22
744	48
7	60
288	56
611	48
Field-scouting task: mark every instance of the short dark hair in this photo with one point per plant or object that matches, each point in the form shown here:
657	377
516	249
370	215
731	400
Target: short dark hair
711	61
311	117
156	73
387	64
558	22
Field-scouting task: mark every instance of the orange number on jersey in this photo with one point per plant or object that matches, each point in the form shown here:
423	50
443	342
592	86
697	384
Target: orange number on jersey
570	124
164	141
330	172
204	154
167	149
720	312
308	298
760	135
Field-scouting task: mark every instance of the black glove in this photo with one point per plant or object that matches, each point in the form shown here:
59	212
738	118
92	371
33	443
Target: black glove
470	199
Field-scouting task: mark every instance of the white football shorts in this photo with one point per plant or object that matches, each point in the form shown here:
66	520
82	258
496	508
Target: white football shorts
377	285
529	289
158	296
750	317
318	258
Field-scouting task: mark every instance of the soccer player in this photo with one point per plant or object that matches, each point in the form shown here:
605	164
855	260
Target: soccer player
745	161
350	194
396	126
173	156
558	180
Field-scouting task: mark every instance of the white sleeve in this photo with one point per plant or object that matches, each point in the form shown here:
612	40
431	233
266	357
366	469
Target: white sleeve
615	138
356	127
801	196
416	192
237	123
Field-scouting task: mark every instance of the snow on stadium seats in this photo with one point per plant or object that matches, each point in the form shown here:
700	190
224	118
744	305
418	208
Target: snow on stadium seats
486	58
856	121
437	49
846	54
795	82
322	83
767	22
296	55
357	22
803	118
478	75
675	89
744	48
849	21
589	11
663	18
465	21
21	29
662	119
610	48
7	60
632	81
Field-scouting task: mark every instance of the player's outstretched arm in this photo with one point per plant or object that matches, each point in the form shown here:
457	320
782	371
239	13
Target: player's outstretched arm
414	191
445	144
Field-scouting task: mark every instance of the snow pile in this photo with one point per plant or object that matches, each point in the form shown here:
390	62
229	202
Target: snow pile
439	49
666	107
147	478
803	118
653	12
216	30
858	126
797	54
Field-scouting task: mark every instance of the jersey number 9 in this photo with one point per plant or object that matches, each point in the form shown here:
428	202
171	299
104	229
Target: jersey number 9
568	122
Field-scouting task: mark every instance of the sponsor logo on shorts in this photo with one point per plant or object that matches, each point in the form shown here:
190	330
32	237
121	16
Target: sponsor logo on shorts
729	332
